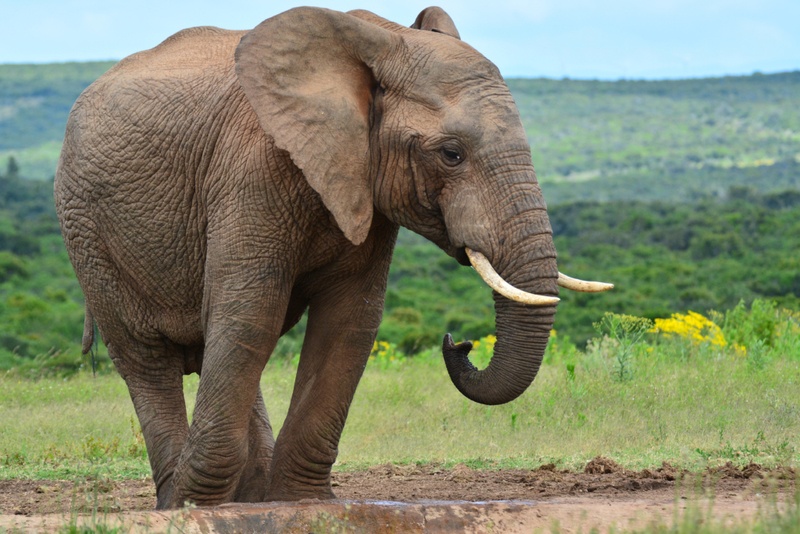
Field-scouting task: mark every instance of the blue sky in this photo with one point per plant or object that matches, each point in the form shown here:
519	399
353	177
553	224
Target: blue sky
606	39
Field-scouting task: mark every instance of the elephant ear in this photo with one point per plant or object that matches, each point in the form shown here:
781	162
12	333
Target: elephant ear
435	19
363	14
310	75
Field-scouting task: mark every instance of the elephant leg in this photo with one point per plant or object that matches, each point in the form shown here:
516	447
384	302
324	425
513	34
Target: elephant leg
260	443
342	325
252	485
155	382
228	423
151	366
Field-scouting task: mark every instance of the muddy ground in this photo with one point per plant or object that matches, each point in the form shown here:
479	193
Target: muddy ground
602	481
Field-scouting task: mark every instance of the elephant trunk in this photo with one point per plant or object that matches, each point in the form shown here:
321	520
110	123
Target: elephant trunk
522	329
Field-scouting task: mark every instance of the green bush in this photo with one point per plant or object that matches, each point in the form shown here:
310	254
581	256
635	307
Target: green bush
754	326
12	265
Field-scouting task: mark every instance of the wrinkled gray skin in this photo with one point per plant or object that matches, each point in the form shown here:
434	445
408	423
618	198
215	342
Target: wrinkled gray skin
212	189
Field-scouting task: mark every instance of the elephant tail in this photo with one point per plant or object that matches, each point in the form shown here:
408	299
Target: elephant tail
88	332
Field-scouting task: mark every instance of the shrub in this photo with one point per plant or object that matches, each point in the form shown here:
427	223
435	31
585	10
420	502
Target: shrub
626	332
745	327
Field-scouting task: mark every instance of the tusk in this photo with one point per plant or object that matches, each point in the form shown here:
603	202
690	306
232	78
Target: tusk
582	285
496	282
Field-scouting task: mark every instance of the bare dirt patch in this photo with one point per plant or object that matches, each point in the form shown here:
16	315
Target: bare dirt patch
608	491
602	478
33	497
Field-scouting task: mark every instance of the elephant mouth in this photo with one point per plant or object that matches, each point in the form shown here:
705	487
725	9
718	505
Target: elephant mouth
462	258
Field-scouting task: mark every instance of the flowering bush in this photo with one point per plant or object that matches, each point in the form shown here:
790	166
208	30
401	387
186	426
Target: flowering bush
693	326
386	355
753	333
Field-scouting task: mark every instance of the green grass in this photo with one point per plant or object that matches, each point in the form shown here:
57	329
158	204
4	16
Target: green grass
686	412
690	407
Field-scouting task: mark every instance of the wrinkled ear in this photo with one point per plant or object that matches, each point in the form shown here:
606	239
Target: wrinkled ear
436	20
310	75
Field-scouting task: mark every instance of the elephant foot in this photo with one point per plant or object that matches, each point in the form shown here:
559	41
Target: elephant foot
252	485
288	489
165	495
299	494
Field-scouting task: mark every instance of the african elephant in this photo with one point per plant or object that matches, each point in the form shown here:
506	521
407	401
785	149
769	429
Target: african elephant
213	188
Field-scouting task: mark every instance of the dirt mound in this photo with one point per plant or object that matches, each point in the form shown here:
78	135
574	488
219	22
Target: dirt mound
462	473
728	470
600	465
546	467
665	472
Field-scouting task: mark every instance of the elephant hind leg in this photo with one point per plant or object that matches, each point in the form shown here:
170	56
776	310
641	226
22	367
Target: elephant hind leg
252	485
154	376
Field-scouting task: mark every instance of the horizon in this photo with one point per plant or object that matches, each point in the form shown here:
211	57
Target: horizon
565	78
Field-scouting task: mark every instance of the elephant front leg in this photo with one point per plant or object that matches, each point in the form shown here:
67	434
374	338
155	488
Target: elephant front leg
342	325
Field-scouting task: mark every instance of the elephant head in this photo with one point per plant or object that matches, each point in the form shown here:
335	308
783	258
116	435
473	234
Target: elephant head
415	124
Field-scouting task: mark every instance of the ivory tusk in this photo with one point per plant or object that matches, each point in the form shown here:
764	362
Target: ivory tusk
496	282
583	286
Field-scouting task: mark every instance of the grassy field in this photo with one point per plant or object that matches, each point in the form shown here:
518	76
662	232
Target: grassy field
690	390
688	397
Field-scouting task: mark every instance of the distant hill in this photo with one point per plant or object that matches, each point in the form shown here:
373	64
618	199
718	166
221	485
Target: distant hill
34	105
662	140
644	182
591	140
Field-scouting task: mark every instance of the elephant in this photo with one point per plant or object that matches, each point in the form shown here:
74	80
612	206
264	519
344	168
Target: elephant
212	189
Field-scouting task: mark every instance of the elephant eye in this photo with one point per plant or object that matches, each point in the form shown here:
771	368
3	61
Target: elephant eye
451	157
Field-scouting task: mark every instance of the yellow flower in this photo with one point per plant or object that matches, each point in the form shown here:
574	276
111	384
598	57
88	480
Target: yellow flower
691	326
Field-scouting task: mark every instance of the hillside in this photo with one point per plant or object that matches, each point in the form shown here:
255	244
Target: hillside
663	257
591	140
683	193
34	104
662	140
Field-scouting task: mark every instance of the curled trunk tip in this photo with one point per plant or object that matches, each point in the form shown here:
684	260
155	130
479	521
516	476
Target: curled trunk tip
481	386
